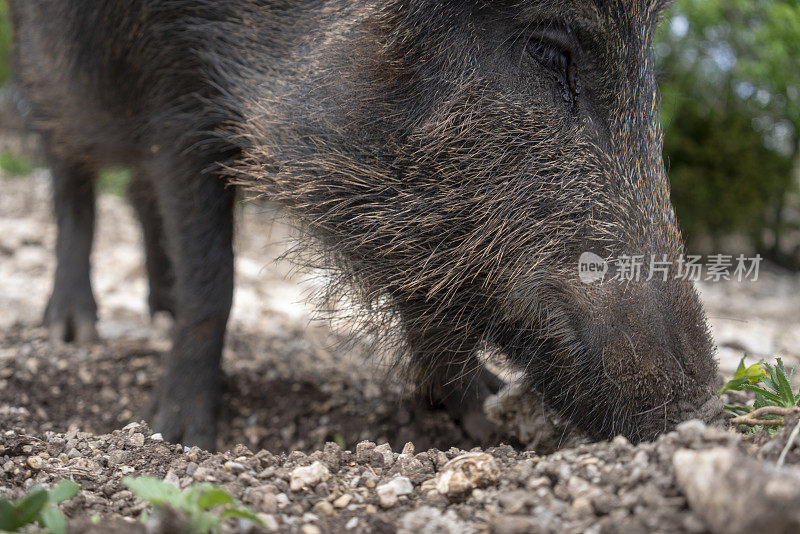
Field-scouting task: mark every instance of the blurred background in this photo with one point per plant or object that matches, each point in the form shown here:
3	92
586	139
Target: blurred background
730	82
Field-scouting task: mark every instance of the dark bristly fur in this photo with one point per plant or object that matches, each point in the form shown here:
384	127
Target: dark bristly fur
449	179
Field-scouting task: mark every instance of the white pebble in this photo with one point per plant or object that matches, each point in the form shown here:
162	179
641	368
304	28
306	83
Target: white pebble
309	476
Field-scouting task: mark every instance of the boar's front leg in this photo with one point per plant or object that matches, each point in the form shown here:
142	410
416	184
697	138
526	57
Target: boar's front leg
197	214
462	392
71	311
446	370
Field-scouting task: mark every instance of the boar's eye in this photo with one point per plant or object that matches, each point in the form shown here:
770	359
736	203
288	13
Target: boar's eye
557	60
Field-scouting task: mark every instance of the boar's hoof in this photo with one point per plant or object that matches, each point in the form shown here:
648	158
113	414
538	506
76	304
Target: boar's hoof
70	322
464	399
188	423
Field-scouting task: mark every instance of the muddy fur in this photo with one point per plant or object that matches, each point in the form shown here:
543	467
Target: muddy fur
449	179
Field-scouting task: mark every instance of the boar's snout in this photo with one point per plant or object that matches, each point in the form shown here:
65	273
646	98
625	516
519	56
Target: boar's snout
621	357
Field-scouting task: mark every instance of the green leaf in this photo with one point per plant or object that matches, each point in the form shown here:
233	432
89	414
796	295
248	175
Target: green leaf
214	496
768	395
783	385
243	513
153	490
196	502
744	376
8	516
29	507
63	491
53	520
204	522
734	385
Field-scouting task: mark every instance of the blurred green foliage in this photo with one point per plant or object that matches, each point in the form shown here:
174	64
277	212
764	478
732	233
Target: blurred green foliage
5	43
730	81
15	164
115	180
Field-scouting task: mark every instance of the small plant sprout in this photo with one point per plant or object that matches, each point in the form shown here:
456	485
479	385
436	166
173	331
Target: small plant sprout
205	506
775	398
39	506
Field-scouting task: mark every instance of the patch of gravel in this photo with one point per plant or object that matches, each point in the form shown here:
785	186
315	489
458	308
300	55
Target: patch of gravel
697	479
602	487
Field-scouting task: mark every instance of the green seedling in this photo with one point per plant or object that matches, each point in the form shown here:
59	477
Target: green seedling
775	397
205	506
38	506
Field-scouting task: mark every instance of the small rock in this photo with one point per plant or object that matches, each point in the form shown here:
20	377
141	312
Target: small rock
270	523
157	437
310	529
736	494
369	478
429	520
408	466
332	454
353	523
201	474
582	504
137	439
466	472
387	497
308	476
428	485
117	457
36	462
193	454
235	467
269	503
389	492
172	478
343	501
363	451
191	467
401	485
385	451
282	499
324	508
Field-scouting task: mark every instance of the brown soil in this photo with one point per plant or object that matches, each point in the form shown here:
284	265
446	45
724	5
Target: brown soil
292	389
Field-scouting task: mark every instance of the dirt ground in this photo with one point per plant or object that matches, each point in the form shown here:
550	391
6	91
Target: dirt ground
299	393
